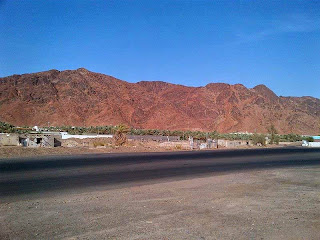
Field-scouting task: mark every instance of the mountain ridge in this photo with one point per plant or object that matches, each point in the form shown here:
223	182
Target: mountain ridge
82	97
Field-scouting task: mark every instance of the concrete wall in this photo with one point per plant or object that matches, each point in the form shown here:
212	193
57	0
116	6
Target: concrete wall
153	138
9	139
65	135
233	143
177	145
298	143
314	144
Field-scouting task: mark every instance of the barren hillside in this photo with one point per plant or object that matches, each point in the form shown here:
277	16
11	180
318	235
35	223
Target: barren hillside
81	97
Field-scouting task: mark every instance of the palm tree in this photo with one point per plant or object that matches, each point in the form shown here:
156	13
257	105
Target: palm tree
120	134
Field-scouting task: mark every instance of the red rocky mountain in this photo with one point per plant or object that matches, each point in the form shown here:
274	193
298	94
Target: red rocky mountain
83	98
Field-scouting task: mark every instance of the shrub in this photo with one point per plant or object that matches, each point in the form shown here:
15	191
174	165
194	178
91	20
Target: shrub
178	147
97	144
259	138
7	128
309	139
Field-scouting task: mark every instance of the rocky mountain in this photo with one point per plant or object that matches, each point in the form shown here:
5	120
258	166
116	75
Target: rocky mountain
80	97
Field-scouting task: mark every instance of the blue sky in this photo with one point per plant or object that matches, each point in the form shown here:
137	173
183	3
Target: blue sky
276	43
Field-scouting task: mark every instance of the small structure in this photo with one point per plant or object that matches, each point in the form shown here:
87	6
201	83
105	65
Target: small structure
37	140
233	143
203	146
201	143
310	144
211	143
315	143
9	139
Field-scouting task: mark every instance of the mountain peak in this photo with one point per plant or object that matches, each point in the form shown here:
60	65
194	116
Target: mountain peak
265	91
82	69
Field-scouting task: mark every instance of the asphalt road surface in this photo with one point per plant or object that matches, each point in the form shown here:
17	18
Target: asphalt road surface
24	178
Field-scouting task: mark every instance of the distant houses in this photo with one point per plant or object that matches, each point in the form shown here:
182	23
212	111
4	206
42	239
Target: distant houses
35	139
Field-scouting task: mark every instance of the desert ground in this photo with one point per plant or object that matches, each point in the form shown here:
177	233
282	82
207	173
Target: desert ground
12	152
148	146
261	203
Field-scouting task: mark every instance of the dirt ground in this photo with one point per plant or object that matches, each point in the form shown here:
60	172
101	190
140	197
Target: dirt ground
265	204
12	152
148	146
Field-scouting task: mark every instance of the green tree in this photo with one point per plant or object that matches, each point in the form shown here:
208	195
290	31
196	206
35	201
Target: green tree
7	128
273	134
259	139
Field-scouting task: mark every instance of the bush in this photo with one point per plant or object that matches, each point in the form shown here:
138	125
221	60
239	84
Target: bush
290	138
259	139
97	144
178	147
309	139
7	128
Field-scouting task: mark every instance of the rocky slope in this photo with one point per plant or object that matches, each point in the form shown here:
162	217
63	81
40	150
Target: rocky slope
81	97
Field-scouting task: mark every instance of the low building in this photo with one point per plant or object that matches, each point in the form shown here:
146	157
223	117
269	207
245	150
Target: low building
9	139
37	140
233	143
200	143
310	144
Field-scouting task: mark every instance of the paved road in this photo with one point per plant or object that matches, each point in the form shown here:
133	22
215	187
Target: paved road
21	178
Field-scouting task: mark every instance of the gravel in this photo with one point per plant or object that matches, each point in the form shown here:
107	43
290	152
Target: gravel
266	204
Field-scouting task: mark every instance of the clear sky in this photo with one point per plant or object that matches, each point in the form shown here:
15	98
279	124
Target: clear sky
276	43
